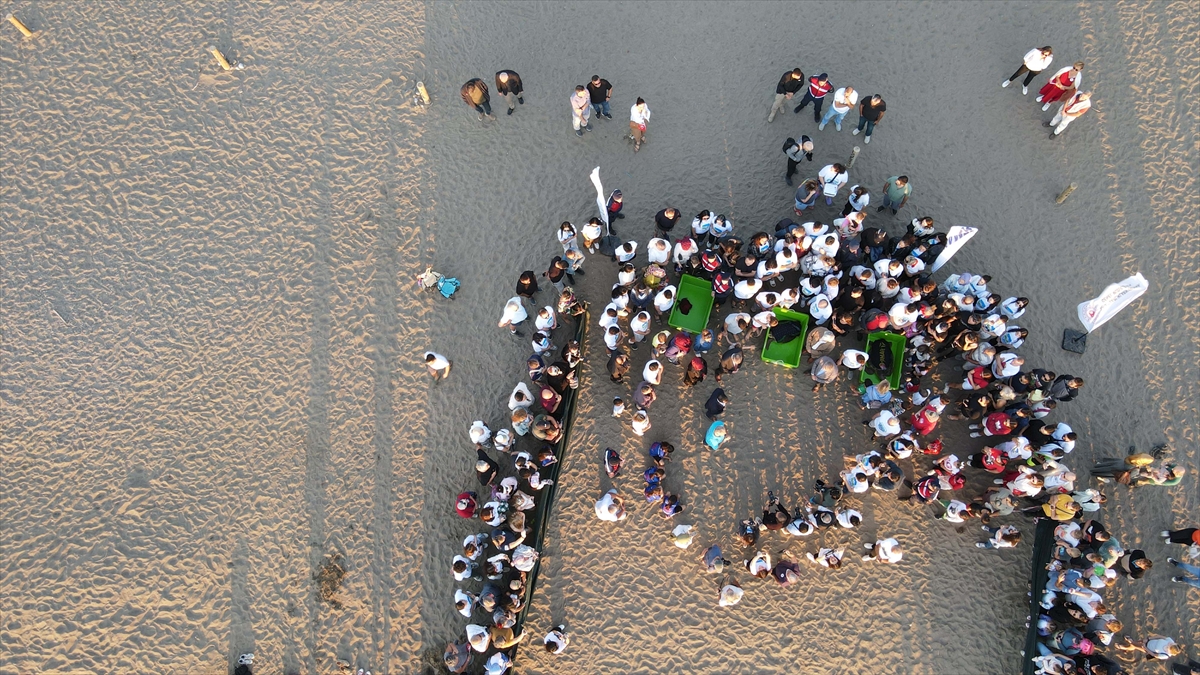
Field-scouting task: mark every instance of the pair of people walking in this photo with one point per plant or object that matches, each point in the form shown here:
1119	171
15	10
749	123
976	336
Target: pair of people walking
476	95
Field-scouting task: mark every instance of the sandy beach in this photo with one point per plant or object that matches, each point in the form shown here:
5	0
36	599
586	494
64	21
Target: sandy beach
210	375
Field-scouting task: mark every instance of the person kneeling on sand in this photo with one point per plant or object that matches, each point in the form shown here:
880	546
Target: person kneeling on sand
828	557
713	562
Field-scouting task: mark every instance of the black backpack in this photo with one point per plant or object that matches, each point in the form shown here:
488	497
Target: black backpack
788	143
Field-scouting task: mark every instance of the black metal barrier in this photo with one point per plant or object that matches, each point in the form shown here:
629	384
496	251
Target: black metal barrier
541	512
1043	547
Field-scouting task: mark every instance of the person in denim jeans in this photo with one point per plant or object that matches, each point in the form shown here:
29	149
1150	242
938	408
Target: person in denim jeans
870	113
1191	573
844	100
600	92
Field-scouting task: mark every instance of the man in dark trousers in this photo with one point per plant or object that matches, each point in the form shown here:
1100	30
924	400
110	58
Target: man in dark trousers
475	94
796	151
818	87
791	82
870	113
508	85
600	91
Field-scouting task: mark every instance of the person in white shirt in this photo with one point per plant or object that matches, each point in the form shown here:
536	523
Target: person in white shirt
610	507
463	568
465	602
735	324
581	110
760	565
844	100
853	359
514	313
437	365
1036	60
827	557
653	372
664	300
612	338
658	250
885	551
545	320
746	289
556	640
832	177
640	422
625	252
639	115
685	250
1070	111
639	325
820	309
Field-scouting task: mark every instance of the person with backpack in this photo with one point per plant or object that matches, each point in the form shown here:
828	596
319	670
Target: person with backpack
796	151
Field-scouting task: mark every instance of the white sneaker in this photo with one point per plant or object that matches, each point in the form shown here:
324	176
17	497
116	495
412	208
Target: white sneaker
1039	98
867	139
1024	90
821	126
854	133
1005	83
1046	107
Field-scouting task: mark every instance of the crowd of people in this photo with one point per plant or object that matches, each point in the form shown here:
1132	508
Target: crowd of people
961	361
494	564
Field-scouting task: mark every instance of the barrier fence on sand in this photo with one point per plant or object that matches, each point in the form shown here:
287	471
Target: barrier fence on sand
1043	547
541	513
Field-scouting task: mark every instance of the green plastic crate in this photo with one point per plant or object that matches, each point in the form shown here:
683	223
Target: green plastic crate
699	292
787	354
898	343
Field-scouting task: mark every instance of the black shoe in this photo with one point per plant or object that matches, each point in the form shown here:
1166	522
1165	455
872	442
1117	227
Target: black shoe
620	215
613	232
510	111
796	109
606	116
579	272
521	100
880	209
788	179
571	278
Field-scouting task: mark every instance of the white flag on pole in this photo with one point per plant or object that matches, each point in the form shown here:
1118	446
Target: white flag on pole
600	201
955	238
1093	313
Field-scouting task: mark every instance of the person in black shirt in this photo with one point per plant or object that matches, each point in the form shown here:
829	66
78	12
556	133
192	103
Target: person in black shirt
870	113
791	82
664	221
508	85
600	91
715	405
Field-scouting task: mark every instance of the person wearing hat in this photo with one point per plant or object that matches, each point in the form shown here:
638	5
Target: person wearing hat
508	85
731	594
818	87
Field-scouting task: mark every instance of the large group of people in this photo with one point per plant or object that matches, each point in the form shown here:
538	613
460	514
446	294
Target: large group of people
853	278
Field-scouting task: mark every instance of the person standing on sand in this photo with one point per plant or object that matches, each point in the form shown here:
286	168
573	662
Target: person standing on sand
818	87
791	82
639	115
437	365
796	151
600	93
1071	109
1060	83
508	85
895	193
475	94
581	110
664	222
844	100
832	177
1035	61
870	113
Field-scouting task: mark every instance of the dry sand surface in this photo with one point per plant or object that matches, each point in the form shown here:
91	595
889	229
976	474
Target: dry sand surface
210	372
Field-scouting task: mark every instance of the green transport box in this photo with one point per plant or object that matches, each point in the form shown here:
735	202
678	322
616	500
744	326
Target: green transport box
897	343
786	353
699	293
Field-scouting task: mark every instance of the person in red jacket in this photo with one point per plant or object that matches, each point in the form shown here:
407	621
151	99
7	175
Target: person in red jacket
465	505
818	87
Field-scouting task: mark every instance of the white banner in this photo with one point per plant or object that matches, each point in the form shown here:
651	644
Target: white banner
955	238
601	203
1093	313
